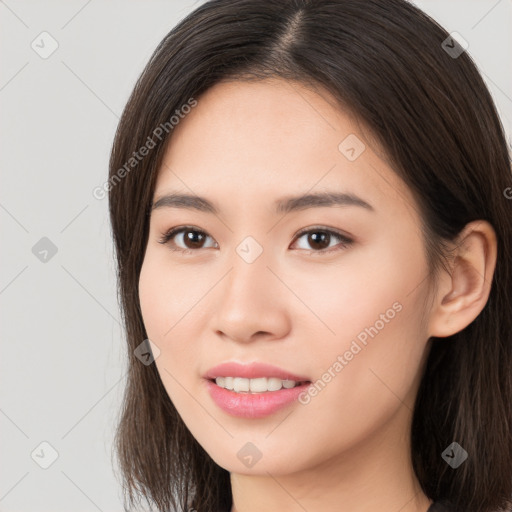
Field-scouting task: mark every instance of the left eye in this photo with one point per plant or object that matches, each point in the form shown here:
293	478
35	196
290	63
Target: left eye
322	237
319	237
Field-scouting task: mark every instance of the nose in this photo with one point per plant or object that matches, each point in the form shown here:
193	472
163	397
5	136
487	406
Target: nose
252	302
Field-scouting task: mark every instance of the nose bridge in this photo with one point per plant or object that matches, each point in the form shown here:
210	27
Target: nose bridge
248	278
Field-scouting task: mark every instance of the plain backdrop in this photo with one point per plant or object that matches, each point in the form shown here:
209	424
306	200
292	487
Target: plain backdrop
62	362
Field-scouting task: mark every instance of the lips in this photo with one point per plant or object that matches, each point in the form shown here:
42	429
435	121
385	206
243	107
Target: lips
254	405
252	371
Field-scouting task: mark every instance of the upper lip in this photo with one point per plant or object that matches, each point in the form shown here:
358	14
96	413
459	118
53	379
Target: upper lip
251	371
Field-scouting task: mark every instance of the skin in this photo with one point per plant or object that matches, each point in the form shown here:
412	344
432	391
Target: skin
244	146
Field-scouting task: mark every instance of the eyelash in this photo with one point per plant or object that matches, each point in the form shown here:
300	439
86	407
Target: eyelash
345	241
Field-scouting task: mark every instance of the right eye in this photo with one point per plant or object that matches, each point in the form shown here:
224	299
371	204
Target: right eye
193	236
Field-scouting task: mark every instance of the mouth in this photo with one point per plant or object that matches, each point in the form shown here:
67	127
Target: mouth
256	397
254	390
258	385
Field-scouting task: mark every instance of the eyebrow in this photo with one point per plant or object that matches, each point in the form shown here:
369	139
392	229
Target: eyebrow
284	205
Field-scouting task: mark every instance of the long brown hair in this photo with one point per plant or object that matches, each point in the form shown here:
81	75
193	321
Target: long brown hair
389	63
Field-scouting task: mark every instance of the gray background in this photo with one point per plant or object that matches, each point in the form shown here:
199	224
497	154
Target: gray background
62	364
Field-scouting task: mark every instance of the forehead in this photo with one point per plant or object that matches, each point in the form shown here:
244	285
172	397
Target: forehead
271	138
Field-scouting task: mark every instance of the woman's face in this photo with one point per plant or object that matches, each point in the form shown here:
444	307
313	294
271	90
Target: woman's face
342	309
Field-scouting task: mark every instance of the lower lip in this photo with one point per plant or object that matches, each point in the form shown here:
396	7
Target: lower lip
253	405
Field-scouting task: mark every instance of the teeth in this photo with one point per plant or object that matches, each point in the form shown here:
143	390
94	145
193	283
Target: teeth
274	384
259	385
240	384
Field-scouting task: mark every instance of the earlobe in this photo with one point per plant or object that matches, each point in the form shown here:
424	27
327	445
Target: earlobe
463	293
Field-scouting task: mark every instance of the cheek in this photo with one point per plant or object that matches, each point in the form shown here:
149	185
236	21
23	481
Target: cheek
377	287
373	308
368	371
171	300
166	294
153	301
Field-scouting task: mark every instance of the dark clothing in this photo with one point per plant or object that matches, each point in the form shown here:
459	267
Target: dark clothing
438	506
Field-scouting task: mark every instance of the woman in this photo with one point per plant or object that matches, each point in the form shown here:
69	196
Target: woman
313	236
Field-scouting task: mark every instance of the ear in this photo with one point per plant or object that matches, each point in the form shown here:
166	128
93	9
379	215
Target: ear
463	293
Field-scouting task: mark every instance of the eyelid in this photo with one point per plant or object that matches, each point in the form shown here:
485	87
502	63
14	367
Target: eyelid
345	240
325	229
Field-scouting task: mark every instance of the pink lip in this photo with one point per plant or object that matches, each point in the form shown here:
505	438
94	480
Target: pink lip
251	371
252	405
